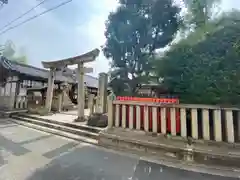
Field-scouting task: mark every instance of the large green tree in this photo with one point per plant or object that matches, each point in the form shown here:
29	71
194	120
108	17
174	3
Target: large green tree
133	32
207	71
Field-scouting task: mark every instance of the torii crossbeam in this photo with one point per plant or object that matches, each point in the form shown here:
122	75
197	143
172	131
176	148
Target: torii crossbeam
59	66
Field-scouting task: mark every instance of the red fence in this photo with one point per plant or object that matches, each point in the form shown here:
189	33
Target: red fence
149	111
156	100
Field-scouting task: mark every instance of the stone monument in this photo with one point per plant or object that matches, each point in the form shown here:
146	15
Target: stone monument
102	93
99	118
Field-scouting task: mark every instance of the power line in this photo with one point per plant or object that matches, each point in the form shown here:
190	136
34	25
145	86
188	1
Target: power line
34	17
19	17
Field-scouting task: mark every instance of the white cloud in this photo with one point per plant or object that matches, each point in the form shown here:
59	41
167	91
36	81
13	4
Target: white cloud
230	4
94	33
94	29
106	5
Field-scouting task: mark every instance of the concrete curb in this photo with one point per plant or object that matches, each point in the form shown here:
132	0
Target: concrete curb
178	164
171	152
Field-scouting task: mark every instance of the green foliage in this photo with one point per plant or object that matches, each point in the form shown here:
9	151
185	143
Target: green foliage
21	59
133	33
9	51
207	71
199	12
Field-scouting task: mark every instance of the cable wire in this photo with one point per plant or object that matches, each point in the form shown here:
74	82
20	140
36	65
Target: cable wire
34	17
19	17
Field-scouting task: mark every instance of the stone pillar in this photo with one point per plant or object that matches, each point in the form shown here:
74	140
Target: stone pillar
194	122
60	101
49	97
102	93
7	88
138	118
123	117
238	124
229	126
173	121
22	93
95	103
131	114
7	94
1	90
110	113
81	93
217	125
117	115
205	124
146	119
91	103
163	121
154	120
183	122
13	92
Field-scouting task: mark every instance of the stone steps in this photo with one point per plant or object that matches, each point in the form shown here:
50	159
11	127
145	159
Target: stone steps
80	133
7	113
68	124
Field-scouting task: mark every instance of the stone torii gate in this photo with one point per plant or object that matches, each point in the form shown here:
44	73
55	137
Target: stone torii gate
60	65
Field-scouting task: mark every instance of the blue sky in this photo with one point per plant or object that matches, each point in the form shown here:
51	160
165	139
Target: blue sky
68	31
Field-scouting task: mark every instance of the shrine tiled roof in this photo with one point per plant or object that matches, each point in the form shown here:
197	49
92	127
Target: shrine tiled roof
42	74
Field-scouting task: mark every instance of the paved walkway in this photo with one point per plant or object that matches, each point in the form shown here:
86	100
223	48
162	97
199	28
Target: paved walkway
68	116
27	154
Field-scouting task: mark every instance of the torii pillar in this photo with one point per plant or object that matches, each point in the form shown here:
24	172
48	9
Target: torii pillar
60	65
81	91
49	95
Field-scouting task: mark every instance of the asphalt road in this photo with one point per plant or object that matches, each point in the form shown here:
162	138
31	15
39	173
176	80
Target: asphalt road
27	154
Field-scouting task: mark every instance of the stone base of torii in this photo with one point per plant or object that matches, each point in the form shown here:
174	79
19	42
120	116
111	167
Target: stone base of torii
61	65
